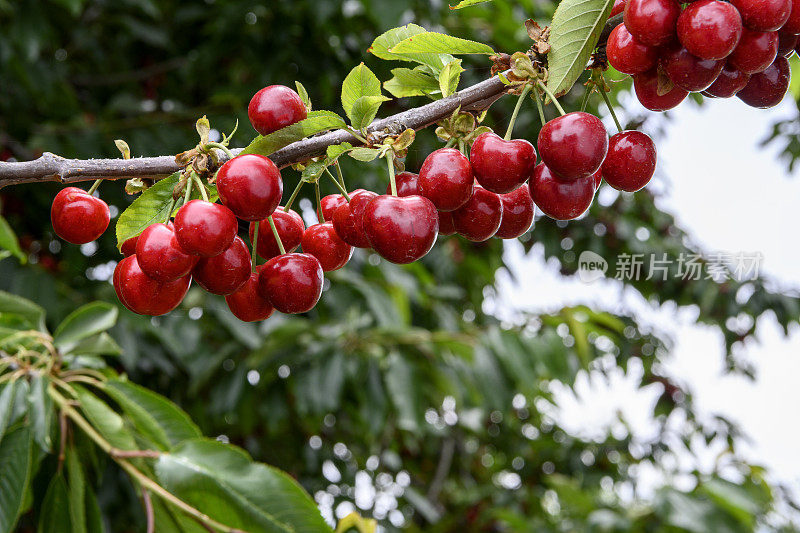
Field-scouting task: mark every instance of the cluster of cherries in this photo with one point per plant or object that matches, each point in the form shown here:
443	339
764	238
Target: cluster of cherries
717	48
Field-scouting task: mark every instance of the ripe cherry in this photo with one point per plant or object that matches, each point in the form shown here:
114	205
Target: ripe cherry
480	218
710	29
793	22
559	199
617	8
646	87
275	107
652	22
77	216
226	272
247	303
501	166
129	246
729	82
160	255
407	184
322	241
291	282
446	179
330	203
573	145
250	185
786	43
348	219
446	226
401	229
142	294
767	89
290	228
517	213
631	161
755	52
763	15
628	55
205	229
689	72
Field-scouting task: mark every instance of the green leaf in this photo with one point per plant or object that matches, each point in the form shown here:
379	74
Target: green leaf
8	241
449	77
102	344
16	460
364	110
411	82
228	486
301	90
574	33
468	3
94	518
108	423
7	393
85	322
77	491
402	388
157	418
389	39
335	151
41	411
735	499
316	122
364	154
152	206
359	82
432	42
54	516
25	309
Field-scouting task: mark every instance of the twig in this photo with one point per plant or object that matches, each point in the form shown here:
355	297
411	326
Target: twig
148	510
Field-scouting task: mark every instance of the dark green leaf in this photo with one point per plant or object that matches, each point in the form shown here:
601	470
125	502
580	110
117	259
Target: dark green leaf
94	518
152	206
8	241
16	460
108	423
84	322
411	82
77	491
439	43
7	393
25	309
41	411
102	344
316	122
54	516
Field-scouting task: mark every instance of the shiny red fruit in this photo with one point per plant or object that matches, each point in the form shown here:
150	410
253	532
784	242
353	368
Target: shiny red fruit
275	107
652	22
205	229
646	87
250	185
290	227
160	255
501	166
793	23
628	55
763	15
631	161
446	179
226	272
142	294
247	303
446	226
322	241
573	145
330	203
401	229
710	29
755	52
617	8
559	199
348	219
729	82
480	218
292	282
689	72
517	213
786	43
407	184
767	89
129	246
77	216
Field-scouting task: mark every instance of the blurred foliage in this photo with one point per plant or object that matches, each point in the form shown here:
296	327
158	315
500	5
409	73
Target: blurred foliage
399	385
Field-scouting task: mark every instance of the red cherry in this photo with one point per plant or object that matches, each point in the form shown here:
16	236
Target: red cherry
322	241
290	227
348	219
247	304
129	246
710	29
480	218
652	22
574	145
628	55
330	203
631	161
275	107
729	82
559	199
77	216
407	184
501	166
517	213
598	178
446	179
401	229
205	229
786	43
291	282
646	87
619	7
755	52
142	294
763	15
793	23
226	272
160	255
767	89
689	72
250	185
446	226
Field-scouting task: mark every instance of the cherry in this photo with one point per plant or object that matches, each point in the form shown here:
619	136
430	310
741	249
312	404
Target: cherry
517	213
142	294
330	203
250	185
291	282
786	43
205	229
793	23
689	72
160	255
559	199
129	246
646	87
322	241
401	229
767	89
755	52
480	218
598	178
652	22
729	82
628	55
574	145
77	216
275	107
446	226
710	29
226	272
407	184
619	7
631	161
290	228
348	219
446	179
247	303
500	166
763	15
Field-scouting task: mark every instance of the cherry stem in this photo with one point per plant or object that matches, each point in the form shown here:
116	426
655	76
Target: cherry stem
188	193
586	96
255	246
277	236
390	164
539	107
611	110
221	147
339	185
341	176
169	211
319	203
450	143
513	120
293	196
94	186
202	188
553	98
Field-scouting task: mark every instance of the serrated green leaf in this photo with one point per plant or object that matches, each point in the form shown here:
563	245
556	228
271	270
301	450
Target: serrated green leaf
335	151
574	33
432	42
313	171
77	491
359	82
8	241
301	90
364	154
41	411
449	77
316	122
381	45
151	207
31	313
468	3
364	110
107	422
55	515
85	322
16	460
411	82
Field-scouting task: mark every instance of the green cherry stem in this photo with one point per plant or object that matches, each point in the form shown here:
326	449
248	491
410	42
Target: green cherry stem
188	192
319	202
611	110
586	96
341	176
292	198
277	236
390	165
221	147
169	211
255	246
200	186
338	185
450	143
94	186
511	122
553	98
539	107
